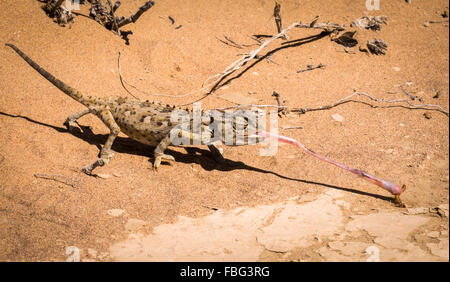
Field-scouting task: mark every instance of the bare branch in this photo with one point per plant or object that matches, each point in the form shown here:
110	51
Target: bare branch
398	101
136	16
277	16
58	178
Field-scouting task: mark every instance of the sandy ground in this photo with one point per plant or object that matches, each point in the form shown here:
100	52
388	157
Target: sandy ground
286	207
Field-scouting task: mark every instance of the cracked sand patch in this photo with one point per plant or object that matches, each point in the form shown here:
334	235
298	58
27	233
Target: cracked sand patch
393	225
222	236
236	235
243	234
297	225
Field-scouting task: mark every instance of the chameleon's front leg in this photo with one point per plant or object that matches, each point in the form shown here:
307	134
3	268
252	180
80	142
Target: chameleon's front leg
105	154
162	146
159	152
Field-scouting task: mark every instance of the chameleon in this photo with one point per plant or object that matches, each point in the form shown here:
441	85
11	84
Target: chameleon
148	122
153	124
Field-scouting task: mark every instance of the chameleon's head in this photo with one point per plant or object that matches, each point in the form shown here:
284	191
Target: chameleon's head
238	127
248	119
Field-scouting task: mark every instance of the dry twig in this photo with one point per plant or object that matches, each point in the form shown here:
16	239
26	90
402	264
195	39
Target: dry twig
282	108
311	67
59	178
356	93
277	17
292	127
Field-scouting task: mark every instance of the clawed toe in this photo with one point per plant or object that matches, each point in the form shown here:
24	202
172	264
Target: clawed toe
89	168
158	159
168	158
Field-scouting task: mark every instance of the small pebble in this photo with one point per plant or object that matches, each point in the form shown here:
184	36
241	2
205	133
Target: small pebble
103	175
396	68
427	115
115	212
433	234
338	117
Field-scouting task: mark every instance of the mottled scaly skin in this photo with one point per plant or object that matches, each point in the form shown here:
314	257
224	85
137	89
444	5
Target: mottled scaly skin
143	121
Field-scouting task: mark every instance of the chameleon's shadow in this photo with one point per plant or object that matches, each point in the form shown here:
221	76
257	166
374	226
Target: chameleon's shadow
194	155
204	158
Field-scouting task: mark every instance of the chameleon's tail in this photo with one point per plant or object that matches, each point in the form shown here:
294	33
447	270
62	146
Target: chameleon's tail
75	94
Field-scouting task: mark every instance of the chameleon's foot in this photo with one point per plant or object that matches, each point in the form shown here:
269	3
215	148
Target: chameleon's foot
105	156
160	158
70	122
398	202
89	168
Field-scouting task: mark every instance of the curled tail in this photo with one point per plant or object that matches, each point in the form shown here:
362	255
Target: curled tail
75	94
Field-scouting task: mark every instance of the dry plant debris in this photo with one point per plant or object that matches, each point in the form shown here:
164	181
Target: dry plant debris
347	39
377	46
54	9
368	22
101	11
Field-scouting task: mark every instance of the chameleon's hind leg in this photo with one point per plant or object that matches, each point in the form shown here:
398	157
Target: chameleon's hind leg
105	154
70	121
159	153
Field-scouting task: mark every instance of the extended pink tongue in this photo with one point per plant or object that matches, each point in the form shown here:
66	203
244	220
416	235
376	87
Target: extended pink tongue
391	187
